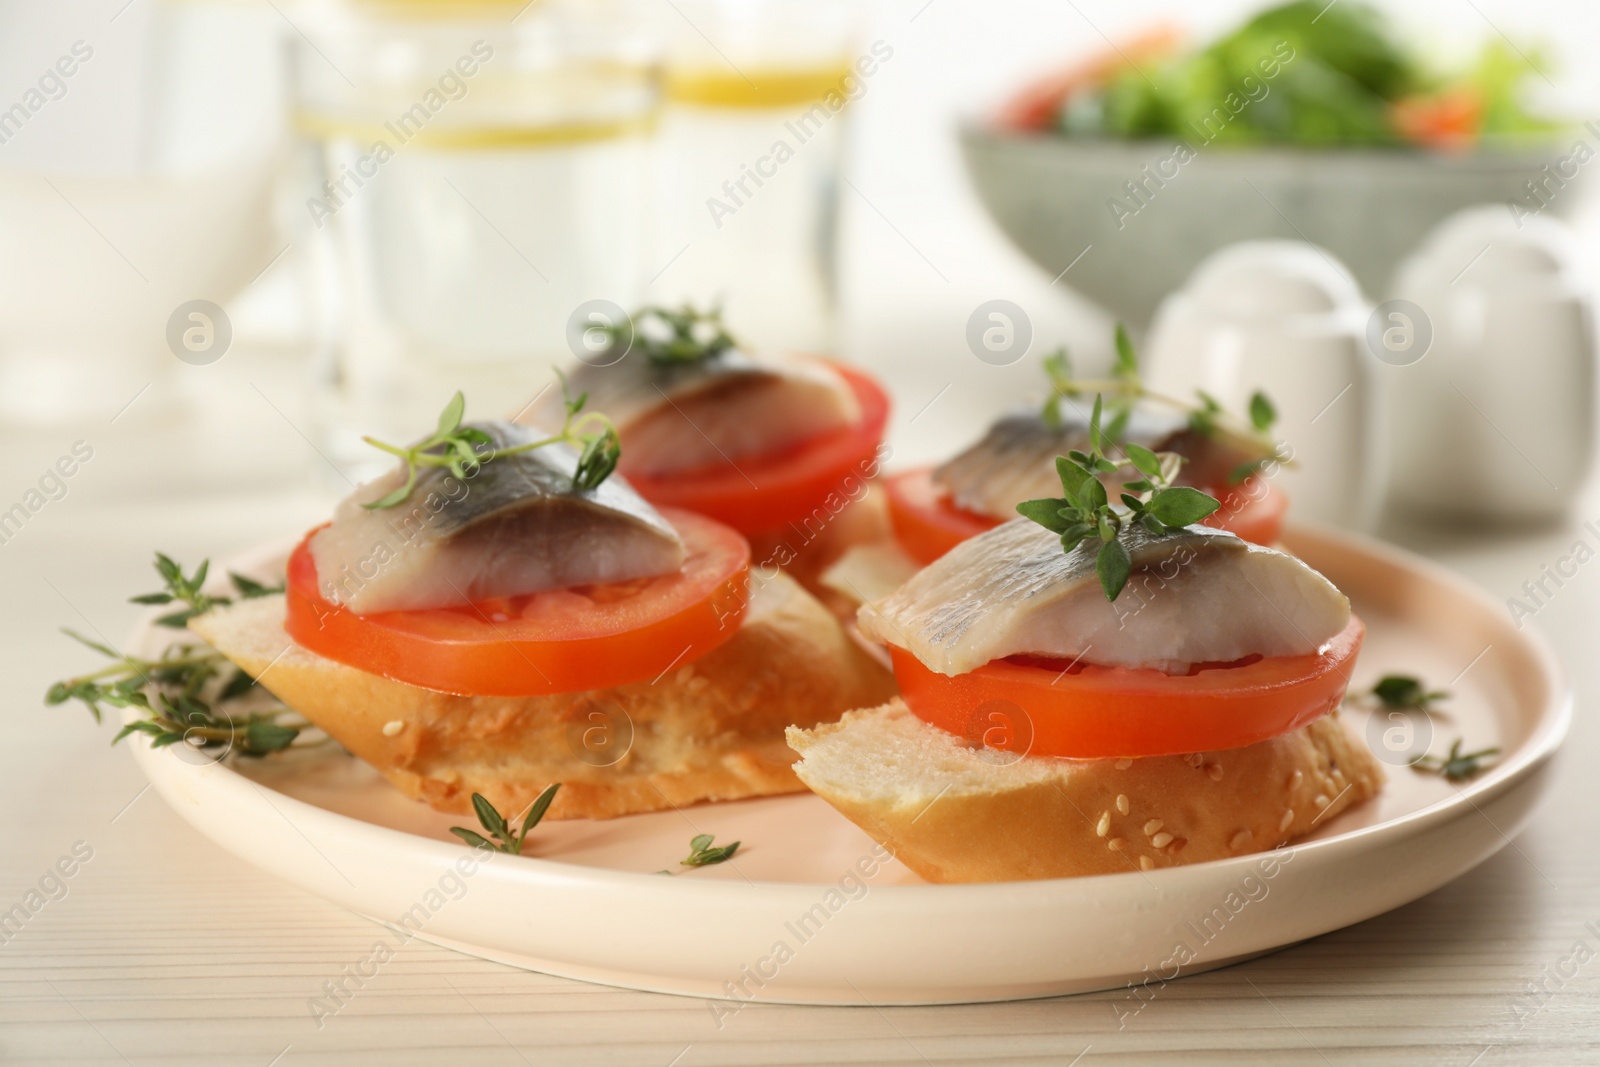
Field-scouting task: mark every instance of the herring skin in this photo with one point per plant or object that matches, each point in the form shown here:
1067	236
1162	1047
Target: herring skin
516	526
1197	595
675	417
1015	458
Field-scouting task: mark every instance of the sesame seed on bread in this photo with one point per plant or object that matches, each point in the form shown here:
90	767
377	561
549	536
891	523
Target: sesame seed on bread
956	813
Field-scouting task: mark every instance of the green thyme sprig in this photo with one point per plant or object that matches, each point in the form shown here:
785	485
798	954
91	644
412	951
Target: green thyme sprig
506	838
1403	692
686	335
1084	508
124	683
451	445
188	692
189	590
1124	386
702	854
599	449
1458	766
1125	389
464	449
194	721
1058	368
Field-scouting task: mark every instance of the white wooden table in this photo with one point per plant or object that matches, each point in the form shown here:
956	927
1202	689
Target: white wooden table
166	950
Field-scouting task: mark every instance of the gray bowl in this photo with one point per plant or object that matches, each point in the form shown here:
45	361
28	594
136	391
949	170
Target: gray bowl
1053	196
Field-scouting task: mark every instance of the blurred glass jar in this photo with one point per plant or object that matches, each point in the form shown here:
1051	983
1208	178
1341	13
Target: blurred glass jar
750	149
164	130
476	171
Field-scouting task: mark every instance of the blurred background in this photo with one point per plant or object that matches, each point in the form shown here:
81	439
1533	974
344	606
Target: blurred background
236	235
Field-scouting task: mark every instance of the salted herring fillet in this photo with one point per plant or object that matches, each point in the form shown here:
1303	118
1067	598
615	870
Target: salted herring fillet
1015	459
1195	596
515	526
679	416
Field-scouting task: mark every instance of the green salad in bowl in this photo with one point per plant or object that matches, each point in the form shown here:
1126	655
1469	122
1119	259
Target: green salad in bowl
1307	73
1314	121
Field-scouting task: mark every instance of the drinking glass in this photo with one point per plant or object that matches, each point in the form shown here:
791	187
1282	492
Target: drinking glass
475	172
750	147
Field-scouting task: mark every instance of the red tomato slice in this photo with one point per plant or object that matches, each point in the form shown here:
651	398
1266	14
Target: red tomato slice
553	641
1254	509
927	524
1092	712
766	493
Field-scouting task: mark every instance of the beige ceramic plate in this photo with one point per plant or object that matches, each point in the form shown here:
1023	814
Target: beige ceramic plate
792	918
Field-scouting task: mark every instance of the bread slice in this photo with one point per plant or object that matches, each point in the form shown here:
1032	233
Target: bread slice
709	730
953	813
805	549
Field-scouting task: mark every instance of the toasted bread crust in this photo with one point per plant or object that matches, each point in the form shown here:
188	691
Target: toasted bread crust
708	730
1042	817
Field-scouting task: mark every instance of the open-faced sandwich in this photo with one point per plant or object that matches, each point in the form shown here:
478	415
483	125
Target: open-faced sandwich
782	448
1088	688
498	613
935	509
1094	688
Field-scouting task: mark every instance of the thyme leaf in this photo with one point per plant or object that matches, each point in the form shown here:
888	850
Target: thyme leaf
179	589
702	854
1402	692
506	838
665	336
1084	508
1125	388
464	449
188	693
1458	766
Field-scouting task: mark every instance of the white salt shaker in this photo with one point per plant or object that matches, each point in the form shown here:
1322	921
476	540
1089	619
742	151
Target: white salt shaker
1496	418
1286	318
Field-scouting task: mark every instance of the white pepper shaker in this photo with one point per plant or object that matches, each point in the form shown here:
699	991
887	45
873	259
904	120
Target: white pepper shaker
1496	418
1285	318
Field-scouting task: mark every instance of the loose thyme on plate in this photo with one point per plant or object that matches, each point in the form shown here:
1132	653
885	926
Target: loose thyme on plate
507	839
1403	692
1408	693
702	854
188	693
1458	766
